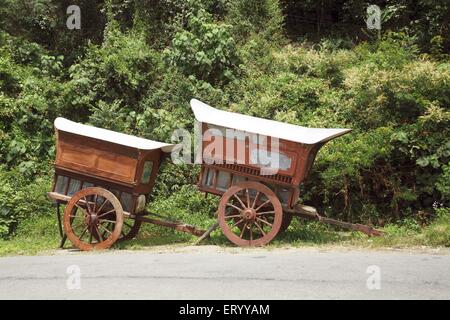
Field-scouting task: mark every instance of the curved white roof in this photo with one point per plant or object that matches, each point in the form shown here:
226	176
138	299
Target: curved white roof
110	136
207	114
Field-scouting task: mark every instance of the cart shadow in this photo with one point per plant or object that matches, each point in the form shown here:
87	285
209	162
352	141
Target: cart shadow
154	237
71	249
299	233
312	233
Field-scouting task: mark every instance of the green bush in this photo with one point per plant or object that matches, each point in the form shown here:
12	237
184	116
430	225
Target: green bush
261	17
122	69
29	99
205	49
443	182
20	200
187	205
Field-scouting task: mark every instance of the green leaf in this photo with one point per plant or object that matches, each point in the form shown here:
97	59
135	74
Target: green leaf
400	136
423	161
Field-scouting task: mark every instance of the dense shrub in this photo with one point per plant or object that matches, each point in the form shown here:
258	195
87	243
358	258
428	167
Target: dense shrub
443	182
121	69
261	17
20	199
205	49
29	101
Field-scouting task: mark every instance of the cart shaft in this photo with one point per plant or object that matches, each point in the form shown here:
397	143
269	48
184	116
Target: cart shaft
180	226
312	214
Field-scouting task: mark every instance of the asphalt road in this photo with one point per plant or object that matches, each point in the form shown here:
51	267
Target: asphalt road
214	273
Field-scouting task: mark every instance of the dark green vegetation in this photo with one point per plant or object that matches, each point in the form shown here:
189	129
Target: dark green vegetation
134	66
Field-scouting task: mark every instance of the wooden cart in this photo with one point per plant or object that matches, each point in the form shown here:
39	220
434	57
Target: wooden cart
104	178
255	204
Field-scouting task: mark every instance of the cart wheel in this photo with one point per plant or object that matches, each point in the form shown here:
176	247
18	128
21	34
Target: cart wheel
287	218
256	218
240	222
130	229
87	215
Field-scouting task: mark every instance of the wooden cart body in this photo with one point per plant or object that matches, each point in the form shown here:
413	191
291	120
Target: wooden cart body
256	203
298	147
104	179
87	156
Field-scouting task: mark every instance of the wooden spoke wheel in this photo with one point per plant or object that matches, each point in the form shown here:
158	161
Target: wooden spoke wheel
240	223
130	228
93	219
250	214
287	218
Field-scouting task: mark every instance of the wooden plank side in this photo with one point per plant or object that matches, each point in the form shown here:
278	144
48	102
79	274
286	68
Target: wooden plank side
234	151
89	157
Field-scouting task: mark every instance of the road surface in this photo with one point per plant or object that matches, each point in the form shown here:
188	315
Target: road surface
214	273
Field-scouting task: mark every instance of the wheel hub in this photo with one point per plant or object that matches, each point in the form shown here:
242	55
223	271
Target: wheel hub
249	214
92	219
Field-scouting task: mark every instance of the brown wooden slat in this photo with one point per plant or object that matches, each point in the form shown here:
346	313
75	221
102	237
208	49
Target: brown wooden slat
63	198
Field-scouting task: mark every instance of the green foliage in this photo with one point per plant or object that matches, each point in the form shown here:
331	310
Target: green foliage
261	17
34	235
43	22
20	200
423	19
443	182
438	233
205	49
28	98
123	68
166	108
187	205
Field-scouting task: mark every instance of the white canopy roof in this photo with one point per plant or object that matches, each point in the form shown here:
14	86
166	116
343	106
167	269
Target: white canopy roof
207	114
110	136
